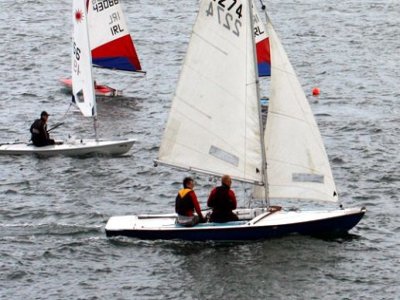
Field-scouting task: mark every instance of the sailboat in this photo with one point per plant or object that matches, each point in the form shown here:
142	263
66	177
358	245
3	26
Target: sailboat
110	42
215	128
83	97
100	89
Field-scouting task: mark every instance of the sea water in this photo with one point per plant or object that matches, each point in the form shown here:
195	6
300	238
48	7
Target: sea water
53	210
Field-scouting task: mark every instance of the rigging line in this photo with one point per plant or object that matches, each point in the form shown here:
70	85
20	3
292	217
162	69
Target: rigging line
65	114
61	122
262	5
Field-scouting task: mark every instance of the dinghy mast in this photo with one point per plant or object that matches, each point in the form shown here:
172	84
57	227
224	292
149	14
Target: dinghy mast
253	12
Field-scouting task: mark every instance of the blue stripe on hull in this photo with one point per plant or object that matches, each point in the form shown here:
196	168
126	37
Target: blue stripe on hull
332	226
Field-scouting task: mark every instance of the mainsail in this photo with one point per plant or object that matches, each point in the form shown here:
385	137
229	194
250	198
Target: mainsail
82	79
214	122
297	163
110	41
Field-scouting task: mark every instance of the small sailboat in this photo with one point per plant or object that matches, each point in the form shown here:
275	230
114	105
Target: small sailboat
110	42
83	97
215	128
100	90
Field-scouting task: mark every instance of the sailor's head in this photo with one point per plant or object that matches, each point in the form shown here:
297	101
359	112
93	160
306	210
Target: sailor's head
44	115
188	183
226	180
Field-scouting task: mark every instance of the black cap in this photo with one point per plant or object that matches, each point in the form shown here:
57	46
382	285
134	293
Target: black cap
44	113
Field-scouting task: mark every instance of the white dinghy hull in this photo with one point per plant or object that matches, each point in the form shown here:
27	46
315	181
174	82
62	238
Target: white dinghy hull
285	161
82	147
270	224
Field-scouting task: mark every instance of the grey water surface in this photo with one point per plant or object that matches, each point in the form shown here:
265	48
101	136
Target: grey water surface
53	211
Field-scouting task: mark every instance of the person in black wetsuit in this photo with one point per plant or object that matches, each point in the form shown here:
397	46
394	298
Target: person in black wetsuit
222	200
40	136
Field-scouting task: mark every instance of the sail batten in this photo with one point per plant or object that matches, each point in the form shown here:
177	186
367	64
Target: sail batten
205	172
213	124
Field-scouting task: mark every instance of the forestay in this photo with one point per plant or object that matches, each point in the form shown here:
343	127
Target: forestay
110	41
214	122
82	79
297	164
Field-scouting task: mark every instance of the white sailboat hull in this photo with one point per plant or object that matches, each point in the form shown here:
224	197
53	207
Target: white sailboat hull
265	225
71	148
220	73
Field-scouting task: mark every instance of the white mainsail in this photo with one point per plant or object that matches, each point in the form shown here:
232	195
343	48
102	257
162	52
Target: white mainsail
82	79
214	122
297	164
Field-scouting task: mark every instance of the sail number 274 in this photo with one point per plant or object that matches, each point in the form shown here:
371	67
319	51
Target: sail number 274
229	13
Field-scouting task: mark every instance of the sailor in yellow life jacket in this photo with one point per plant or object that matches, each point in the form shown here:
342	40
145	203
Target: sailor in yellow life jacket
186	204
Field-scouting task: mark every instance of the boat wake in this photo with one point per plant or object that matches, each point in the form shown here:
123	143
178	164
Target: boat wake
52	229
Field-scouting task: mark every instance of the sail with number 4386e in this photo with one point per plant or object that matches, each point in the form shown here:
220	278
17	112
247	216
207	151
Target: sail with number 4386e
111	43
215	128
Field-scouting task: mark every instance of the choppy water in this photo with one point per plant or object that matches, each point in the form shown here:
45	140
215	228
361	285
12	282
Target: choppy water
53	211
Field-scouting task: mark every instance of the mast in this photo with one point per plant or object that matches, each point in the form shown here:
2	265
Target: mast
262	141
95	125
94	111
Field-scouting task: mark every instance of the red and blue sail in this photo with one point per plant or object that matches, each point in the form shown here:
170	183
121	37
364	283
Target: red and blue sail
110	41
262	45
119	54
263	58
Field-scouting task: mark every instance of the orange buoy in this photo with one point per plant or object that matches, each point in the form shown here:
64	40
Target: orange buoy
315	91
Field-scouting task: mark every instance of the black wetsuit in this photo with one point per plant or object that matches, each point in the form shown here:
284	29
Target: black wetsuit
40	136
222	200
